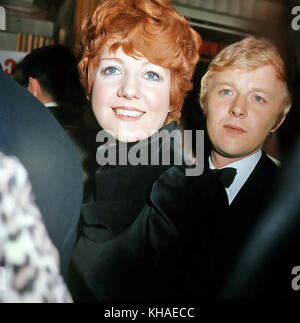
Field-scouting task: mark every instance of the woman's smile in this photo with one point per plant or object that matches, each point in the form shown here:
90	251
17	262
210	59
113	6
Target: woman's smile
128	114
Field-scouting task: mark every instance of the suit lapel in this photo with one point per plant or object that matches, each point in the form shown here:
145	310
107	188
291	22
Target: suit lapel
258	186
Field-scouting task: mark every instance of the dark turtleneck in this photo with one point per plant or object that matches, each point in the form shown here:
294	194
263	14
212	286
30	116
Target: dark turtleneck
133	182
121	193
122	190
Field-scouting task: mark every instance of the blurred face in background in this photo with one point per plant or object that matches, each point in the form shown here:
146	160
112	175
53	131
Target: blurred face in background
130	97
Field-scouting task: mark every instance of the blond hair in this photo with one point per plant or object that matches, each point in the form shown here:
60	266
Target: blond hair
248	54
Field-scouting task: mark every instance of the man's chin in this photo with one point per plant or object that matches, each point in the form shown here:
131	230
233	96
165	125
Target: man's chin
234	154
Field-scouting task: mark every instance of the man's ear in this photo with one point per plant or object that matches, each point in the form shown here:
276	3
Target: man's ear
278	123
203	104
204	110
34	87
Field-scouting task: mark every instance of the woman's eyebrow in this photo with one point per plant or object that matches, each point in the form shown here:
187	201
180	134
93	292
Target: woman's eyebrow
111	59
161	68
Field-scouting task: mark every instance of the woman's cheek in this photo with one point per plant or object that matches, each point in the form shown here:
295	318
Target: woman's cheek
158	98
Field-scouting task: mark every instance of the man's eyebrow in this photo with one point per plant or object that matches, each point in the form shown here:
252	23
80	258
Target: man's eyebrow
255	89
225	83
261	89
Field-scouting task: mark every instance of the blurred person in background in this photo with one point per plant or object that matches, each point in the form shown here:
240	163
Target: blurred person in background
50	74
30	133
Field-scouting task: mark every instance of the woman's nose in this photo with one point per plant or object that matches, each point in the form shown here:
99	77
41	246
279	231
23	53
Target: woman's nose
129	88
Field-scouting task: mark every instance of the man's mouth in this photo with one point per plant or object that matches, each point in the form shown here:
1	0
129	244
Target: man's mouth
234	129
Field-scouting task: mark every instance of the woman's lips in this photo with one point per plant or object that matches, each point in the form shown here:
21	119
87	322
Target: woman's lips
127	113
234	129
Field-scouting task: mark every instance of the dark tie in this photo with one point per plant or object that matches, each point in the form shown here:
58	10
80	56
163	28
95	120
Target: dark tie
226	175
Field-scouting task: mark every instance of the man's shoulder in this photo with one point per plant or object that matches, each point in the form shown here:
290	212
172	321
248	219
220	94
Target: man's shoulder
267	166
260	185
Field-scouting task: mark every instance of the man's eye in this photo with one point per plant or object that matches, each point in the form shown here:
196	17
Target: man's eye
259	99
226	91
111	70
152	76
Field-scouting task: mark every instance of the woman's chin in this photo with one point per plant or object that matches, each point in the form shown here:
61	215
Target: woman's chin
127	133
132	136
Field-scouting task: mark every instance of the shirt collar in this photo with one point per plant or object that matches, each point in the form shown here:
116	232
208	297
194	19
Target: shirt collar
244	168
51	104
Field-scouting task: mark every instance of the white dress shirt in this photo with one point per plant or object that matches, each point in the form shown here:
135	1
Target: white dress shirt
244	168
51	104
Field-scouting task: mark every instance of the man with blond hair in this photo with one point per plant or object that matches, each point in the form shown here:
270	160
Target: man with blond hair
245	98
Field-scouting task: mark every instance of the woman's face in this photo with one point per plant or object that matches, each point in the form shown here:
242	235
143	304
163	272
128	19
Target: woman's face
130	96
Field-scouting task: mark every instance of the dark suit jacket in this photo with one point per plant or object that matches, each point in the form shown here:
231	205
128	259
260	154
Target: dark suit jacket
234	226
31	133
264	267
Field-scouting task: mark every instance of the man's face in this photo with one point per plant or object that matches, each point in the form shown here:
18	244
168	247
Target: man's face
241	109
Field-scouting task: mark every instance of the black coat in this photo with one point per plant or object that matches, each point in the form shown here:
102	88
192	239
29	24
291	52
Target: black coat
140	240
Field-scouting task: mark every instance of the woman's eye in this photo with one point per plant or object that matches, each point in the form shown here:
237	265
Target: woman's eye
152	76
226	92
259	99
111	70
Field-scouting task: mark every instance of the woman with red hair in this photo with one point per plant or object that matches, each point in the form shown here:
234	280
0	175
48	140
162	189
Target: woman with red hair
137	62
147	31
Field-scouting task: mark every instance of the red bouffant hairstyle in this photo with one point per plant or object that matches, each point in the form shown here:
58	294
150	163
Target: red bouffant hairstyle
151	28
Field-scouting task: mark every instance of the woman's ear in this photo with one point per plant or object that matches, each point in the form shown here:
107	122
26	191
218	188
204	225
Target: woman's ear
278	123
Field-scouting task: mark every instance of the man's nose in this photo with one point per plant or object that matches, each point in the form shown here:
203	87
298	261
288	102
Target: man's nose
129	88
238	106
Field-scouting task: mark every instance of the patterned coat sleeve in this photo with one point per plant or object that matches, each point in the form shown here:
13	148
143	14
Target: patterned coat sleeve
29	262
